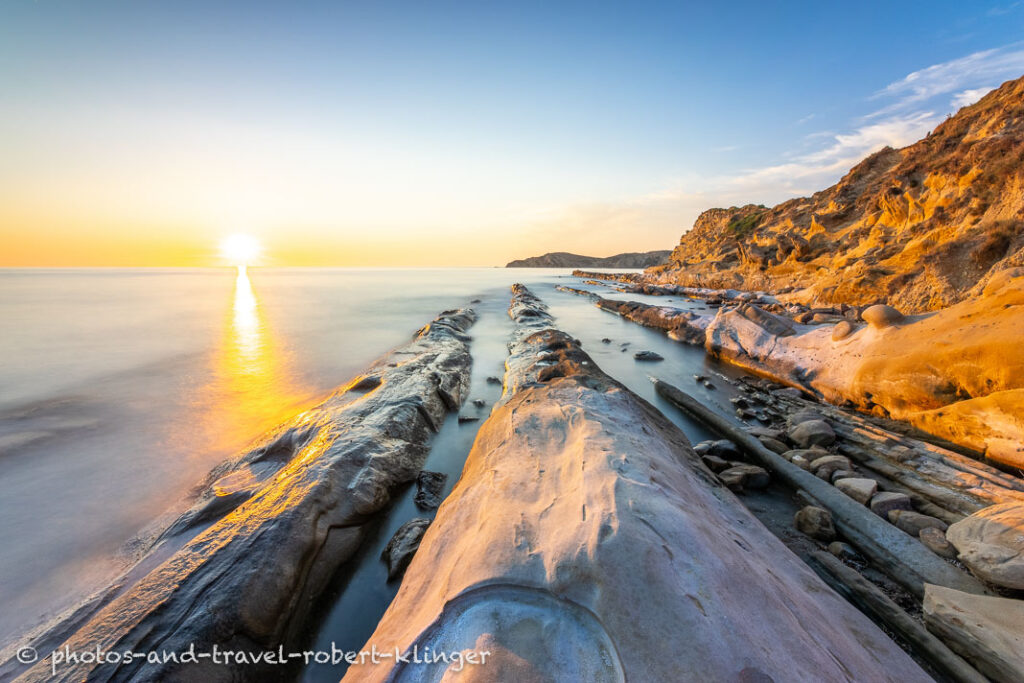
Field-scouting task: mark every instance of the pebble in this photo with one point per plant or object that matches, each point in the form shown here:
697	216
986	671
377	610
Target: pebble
886	501
860	489
936	541
812	433
815	522
912	522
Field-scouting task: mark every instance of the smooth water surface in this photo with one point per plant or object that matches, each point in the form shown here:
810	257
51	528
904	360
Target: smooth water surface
121	388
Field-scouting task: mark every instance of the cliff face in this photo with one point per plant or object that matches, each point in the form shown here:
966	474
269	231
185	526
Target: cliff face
562	259
921	227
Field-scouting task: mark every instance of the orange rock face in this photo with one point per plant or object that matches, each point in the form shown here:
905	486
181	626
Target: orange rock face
920	228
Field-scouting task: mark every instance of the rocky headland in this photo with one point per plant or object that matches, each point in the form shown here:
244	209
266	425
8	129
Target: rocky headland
562	259
919	228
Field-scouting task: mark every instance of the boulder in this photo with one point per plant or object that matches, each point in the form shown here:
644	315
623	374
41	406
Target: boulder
647	356
758	431
801	461
880	316
860	489
827	464
745	476
842	330
991	543
986	631
773	444
402	546
815	522
429	486
912	522
812	433
935	540
716	464
724	448
885	502
842	474
844	551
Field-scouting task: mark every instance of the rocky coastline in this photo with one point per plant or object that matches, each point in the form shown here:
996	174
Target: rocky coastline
268	530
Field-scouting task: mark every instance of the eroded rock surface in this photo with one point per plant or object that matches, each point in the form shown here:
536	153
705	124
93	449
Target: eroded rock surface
991	543
584	530
248	579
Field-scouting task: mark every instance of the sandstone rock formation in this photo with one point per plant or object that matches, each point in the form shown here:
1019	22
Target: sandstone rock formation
562	259
986	631
272	527
584	529
991	543
919	228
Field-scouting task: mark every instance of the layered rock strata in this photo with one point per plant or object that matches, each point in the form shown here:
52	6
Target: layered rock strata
586	541
272	527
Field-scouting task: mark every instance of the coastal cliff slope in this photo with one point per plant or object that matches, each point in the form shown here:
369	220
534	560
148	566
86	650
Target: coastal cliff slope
921	228
563	259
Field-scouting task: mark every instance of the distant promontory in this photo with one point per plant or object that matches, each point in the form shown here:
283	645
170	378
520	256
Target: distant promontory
563	259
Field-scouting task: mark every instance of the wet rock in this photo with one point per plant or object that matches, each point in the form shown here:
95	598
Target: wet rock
716	464
468	418
429	486
815	522
986	631
991	544
606	340
885	502
824	466
881	316
842	330
858	488
494	380
724	448
479	402
403	545
742	476
267	562
912	522
740	402
935	540
773	444
844	551
812	433
647	356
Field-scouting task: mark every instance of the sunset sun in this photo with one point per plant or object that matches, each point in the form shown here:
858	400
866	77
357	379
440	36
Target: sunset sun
239	249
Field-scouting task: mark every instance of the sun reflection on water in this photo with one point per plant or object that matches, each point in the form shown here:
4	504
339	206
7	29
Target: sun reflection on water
253	386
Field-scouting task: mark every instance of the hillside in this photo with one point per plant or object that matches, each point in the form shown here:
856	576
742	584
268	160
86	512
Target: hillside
921	227
562	259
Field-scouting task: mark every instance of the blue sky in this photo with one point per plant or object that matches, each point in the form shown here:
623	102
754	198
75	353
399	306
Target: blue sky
397	130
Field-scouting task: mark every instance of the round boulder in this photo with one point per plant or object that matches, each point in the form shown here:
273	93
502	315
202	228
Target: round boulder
816	522
812	433
880	316
842	330
991	544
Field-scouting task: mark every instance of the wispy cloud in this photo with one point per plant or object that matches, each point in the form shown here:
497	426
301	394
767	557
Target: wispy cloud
805	119
968	97
965	73
917	103
1001	10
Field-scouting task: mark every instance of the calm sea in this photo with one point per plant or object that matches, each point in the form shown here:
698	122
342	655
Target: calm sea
120	389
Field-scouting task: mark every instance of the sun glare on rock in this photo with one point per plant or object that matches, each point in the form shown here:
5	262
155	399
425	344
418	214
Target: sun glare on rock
240	250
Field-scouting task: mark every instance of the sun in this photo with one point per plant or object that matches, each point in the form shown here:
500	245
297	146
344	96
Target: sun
241	250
